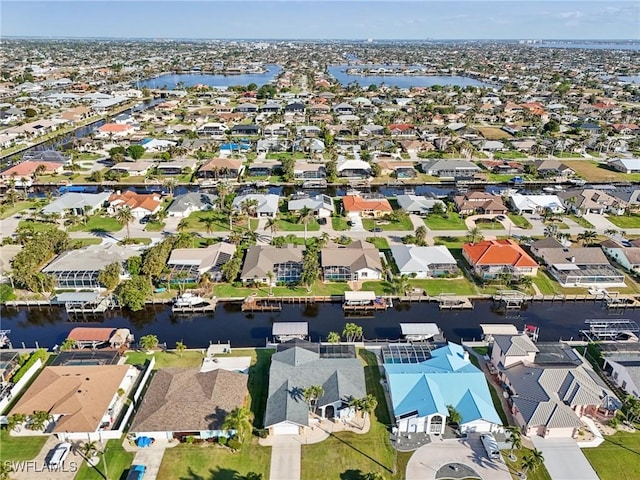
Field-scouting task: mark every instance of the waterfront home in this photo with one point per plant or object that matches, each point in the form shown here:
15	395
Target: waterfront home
28	168
187	203
450	168
359	260
553	168
246	108
353	168
321	205
298	365
591	200
580	267
221	168
213	129
536	204
115	130
258	204
76	203
187	265
418	204
285	263
85	401
310	145
398	169
308	131
424	262
366	207
177	166
275	130
344	109
627	255
245	129
479	203
550	386
370	130
77	114
158	145
303	170
47	156
423	389
263	169
182	402
139	168
79	269
490	258
622	365
140	205
625	165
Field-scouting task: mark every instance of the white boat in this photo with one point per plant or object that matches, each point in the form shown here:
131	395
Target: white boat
188	300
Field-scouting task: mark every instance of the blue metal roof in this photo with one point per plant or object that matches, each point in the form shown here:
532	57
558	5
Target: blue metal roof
445	379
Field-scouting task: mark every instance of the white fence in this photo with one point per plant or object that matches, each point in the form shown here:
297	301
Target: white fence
17	388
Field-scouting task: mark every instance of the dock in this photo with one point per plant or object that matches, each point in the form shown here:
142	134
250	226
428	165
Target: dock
253	304
364	301
209	306
448	301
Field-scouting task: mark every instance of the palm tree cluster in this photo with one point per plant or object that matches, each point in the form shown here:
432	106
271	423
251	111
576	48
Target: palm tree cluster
311	395
239	419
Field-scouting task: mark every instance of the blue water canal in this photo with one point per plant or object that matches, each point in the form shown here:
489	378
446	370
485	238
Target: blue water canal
50	326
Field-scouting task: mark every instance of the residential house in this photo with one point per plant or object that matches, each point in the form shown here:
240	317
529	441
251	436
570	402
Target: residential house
285	263
402	129
450	168
309	171
422	390
591	200
48	156
580	266
189	264
139	168
371	130
80	269
263	169
536	204
491	258
261	205
298	365
187	203
344	109
550	386
75	203
245	129
424	262
140	205
353	168
473	203
321	205
84	401
295	107
366	207
275	129
28	168
177	166
246	108
419	204
627	255
183	402
215	130
310	145
115	130
553	168
357	261
398	169
221	168
625	165
622	365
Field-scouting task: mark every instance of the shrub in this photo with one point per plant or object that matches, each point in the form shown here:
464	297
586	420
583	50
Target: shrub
234	443
38	354
222	440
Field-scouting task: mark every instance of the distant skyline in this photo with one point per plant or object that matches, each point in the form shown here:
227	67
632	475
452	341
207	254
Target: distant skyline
317	20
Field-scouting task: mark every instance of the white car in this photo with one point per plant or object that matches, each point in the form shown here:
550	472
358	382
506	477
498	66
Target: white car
59	454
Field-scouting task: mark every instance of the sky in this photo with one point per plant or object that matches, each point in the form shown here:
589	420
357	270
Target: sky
328	19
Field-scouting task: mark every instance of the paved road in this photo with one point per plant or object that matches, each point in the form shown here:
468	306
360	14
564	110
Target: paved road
285	458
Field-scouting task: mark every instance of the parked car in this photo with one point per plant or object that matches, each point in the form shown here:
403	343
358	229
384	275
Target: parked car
59	454
501	217
136	472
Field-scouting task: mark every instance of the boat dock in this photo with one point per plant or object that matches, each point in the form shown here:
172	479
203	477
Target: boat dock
448	301
209	306
254	304
364	301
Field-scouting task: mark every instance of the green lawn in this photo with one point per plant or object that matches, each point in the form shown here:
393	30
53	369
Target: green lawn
97	223
20	448
520	221
189	358
625	221
509	154
486	224
196	222
540	473
225	290
346	455
195	462
118	461
453	222
339	224
290	224
154	227
37	226
85	242
618	458
403	225
9	210
583	222
435	286
380	243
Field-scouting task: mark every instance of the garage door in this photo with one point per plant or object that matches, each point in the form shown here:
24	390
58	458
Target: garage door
285	430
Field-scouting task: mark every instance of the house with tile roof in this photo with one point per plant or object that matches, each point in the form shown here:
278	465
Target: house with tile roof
422	391
184	402
28	168
550	386
490	258
366	207
359	260
298	365
472	203
141	205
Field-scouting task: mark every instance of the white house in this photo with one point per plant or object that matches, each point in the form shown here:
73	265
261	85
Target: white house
262	205
536	203
424	262
321	205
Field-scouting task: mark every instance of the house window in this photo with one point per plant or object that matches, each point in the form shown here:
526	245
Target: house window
435	424
624	385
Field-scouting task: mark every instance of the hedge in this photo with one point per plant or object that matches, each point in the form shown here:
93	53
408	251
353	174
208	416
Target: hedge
41	354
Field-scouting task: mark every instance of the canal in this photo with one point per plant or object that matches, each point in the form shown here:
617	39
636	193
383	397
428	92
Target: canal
50	326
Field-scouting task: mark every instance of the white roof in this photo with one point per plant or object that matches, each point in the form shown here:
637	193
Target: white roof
498	329
523	202
290	328
430	329
410	258
76	200
353	165
361	295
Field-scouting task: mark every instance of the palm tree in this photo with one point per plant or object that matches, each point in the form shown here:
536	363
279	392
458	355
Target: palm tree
272	224
551	231
248	207
148	342
421	235
125	216
612	232
333	337
372	476
454	416
88	449
533	461
182	225
369	404
239	419
312	394
474	235
515	439
588	237
39	420
209	223
180	348
400	285
271	276
305	216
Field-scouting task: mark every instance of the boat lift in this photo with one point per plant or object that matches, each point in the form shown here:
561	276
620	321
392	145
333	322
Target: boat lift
610	329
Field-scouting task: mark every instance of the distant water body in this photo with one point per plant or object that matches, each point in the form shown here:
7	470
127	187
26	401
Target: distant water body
401	81
170	81
590	46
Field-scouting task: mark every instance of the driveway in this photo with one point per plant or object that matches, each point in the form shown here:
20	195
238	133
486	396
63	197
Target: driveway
427	460
36	469
600	222
285	457
151	458
564	459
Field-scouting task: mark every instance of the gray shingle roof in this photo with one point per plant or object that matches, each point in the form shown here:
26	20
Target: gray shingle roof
515	345
261	259
198	200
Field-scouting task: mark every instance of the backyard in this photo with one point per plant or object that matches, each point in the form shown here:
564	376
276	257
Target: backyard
225	290
618	458
97	223
520	221
19	448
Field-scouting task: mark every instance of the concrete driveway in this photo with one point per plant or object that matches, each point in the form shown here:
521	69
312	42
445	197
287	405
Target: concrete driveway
600	222
151	458
285	457
36	469
427	460
564	459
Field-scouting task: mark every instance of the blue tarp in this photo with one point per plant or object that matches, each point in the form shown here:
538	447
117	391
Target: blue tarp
143	441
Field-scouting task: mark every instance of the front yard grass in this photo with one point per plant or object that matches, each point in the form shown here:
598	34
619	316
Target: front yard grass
339	224
18	449
625	221
618	458
403	225
289	223
37	226
488	224
346	455
438	222
97	223
583	222
540	473
520	221
154	227
118	461
213	462
10	210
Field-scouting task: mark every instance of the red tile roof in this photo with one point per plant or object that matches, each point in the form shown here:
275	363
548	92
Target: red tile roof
498	252
135	200
115	127
355	203
28	167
